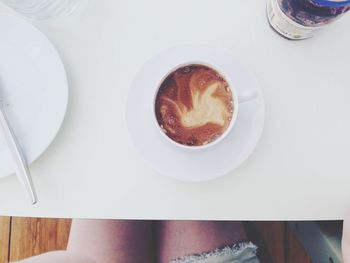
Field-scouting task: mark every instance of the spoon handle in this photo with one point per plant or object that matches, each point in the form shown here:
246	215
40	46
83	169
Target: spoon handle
21	167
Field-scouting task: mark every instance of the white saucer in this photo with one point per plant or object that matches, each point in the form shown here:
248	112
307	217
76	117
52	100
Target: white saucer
207	164
34	84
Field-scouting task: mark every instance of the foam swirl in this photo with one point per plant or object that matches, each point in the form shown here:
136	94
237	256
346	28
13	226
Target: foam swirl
194	105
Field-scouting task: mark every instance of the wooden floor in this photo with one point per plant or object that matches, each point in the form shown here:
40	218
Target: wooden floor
24	237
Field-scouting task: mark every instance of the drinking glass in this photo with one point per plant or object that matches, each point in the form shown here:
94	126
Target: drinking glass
299	19
43	9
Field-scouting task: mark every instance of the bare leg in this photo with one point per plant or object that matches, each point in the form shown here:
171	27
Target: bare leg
105	241
57	257
113	241
177	239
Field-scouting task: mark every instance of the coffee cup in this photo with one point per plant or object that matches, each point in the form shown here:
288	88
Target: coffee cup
196	104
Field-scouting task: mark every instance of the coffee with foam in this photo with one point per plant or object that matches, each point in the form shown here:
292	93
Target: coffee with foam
194	105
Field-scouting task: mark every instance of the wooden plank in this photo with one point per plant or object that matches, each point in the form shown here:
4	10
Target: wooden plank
34	236
271	241
4	238
294	250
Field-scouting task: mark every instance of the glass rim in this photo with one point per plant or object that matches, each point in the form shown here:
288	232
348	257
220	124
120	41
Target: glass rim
332	3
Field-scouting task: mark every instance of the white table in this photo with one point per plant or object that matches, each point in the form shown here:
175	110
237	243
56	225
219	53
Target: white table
300	169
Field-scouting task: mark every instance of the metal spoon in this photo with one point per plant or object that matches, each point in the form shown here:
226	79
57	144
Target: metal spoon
21	167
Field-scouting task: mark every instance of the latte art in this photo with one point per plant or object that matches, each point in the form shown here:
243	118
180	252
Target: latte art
194	105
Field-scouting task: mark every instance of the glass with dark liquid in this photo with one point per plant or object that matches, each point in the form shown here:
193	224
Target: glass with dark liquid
299	19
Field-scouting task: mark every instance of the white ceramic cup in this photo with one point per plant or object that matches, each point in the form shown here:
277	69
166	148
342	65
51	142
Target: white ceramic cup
237	98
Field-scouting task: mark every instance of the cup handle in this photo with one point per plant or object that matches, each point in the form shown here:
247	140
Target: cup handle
247	95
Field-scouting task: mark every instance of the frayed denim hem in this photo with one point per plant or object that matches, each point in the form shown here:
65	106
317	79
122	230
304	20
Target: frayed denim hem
238	253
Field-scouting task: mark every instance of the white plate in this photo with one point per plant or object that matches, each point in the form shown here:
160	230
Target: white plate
34	84
207	164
